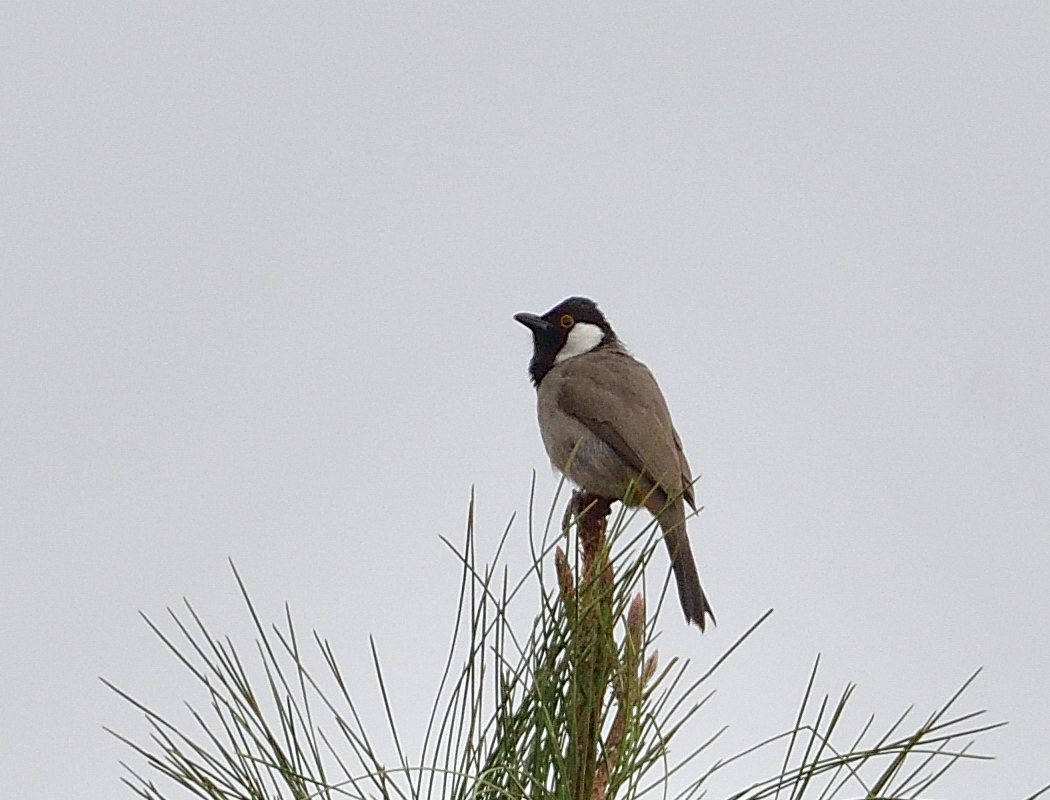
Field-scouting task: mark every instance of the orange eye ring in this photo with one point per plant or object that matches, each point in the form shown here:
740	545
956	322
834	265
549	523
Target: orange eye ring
567	321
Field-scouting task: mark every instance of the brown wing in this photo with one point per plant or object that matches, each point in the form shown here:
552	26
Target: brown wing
687	475
618	399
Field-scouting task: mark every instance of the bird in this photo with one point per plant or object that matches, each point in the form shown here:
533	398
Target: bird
606	426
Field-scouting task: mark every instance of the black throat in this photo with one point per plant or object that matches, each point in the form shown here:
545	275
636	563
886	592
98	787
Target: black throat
546	345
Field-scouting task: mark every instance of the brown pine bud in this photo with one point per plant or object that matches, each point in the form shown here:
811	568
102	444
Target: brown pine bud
561	564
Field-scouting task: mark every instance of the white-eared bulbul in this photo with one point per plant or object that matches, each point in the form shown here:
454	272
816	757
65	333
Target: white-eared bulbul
606	426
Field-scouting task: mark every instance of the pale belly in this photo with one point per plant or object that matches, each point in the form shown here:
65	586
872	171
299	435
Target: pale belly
589	462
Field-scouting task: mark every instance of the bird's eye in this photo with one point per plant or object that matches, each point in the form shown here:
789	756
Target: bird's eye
567	321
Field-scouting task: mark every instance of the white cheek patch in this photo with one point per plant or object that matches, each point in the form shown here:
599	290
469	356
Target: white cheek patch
583	338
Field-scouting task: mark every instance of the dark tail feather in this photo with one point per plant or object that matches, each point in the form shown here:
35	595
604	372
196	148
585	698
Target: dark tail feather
694	601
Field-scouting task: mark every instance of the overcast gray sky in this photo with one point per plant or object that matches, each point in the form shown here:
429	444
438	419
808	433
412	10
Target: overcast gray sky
259	266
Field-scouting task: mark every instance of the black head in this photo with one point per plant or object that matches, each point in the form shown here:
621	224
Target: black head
573	327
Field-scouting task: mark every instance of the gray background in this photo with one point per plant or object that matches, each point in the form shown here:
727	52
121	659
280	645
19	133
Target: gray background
259	266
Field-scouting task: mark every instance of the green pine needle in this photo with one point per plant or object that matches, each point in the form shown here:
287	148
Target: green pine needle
577	707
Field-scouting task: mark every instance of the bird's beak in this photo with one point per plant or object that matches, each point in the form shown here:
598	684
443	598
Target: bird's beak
534	323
